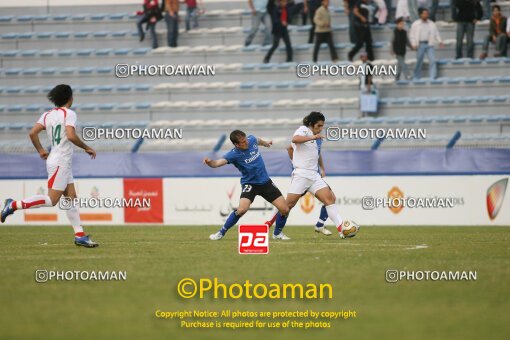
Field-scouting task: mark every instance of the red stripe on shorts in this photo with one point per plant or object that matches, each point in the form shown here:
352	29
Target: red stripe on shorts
52	179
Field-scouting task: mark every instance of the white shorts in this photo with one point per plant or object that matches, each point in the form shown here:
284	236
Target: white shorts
59	177
303	182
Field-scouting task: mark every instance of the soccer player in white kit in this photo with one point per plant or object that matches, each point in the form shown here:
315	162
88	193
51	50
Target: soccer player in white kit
60	125
307	142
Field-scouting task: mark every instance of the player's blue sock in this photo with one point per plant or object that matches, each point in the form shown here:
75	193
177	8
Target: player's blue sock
323	217
280	223
231	221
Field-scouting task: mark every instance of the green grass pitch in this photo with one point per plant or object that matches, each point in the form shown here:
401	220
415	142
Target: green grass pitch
157	257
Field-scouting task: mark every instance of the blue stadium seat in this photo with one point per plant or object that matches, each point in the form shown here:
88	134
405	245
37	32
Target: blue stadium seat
104	70
104	88
122	51
246	103
143	106
86	70
248	85
60	17
83	34
103	51
141	51
25	35
78	17
29	53
47	53
10	36
24	18
85	52
15	89
124	88
66	53
49	71
67	70
97	17
62	35
12	71
44	35
42	17
6	18
11	53
142	87
101	34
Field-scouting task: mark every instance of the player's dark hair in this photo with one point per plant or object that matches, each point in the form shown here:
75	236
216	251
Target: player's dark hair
236	135
313	118
496	6
399	20
421	10
60	95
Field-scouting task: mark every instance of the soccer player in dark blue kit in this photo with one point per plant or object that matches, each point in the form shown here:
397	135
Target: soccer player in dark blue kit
254	181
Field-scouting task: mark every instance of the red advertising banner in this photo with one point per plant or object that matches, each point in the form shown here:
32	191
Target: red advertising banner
141	191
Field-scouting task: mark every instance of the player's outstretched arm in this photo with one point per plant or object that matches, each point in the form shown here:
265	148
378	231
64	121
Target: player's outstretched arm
73	138
303	139
262	142
34	137
215	163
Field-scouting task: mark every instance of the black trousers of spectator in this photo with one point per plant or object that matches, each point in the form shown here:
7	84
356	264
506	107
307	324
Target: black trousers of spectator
324	37
363	36
282	33
311	12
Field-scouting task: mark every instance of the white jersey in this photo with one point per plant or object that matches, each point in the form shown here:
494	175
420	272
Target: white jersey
55	122
306	155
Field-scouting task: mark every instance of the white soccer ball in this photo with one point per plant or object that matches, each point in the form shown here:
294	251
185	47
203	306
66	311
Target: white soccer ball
350	228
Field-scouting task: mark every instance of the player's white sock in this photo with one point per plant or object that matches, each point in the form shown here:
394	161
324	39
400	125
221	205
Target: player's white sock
334	214
73	215
37	201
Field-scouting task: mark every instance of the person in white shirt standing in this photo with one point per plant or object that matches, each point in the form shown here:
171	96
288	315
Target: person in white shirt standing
60	125
309	171
424	36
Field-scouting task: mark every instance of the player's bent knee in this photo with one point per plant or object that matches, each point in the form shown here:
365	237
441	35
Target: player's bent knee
241	211
284	211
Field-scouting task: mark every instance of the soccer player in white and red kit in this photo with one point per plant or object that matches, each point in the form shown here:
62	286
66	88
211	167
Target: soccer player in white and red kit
60	125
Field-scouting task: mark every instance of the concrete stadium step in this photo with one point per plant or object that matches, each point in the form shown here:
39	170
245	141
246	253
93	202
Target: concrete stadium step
186	55
218	36
300	89
234	72
124	19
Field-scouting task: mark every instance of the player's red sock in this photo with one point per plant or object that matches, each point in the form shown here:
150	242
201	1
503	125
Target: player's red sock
14	205
271	221
80	234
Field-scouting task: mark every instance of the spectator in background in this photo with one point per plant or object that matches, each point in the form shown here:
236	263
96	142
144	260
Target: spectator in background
399	43
388	4
402	10
313	5
382	12
300	8
323	31
424	36
362	27
171	10
349	11
497	34
466	13
192	13
149	16
281	15
413	8
368	92
433	9
487	9
259	15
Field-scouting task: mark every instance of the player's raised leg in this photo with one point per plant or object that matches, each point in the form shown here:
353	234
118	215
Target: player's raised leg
32	202
73	215
325	195
233	218
323	217
281	218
